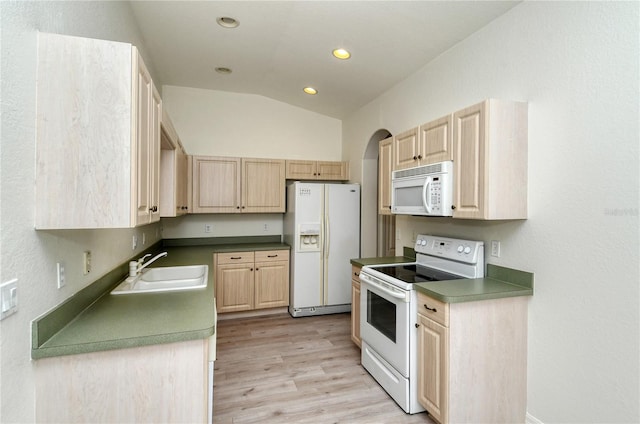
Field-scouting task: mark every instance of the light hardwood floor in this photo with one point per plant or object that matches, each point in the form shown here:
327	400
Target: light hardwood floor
280	369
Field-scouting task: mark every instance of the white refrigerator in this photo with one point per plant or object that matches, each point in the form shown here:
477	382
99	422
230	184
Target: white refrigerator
322	226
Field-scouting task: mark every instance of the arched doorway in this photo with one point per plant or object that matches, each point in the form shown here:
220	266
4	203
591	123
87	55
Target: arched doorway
379	239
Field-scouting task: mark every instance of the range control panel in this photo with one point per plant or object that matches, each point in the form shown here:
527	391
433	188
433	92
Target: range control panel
468	251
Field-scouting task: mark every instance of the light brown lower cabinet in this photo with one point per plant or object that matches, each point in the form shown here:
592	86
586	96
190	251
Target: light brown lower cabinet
472	360
251	280
355	305
157	383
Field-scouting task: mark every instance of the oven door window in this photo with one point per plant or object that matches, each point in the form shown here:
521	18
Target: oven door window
381	314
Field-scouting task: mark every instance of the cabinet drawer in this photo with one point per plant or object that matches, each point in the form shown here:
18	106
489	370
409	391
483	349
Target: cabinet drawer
234	258
433	309
355	273
272	255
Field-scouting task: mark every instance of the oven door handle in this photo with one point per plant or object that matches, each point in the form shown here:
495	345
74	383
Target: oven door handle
387	291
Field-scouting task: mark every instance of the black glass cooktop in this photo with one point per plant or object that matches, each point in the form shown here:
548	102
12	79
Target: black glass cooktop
416	273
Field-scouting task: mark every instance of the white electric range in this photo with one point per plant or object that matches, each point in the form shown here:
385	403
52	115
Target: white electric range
388	309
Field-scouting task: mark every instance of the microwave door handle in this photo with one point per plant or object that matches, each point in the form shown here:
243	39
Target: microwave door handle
425	200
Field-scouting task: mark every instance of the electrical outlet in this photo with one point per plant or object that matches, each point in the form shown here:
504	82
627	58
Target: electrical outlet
495	248
86	260
134	243
266	227
60	275
207	228
144	238
9	298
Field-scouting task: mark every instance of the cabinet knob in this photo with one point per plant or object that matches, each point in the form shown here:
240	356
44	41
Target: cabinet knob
257	269
419	156
153	209
250	269
417	325
415	158
453	207
237	207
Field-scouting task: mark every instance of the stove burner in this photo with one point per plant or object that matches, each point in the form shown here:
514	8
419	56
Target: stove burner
412	273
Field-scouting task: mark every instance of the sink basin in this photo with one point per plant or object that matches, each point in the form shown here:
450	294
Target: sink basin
165	279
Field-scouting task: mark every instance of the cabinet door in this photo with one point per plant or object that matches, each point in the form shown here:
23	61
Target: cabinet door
435	141
301	170
216	184
263	185
469	138
405	149
143	146
272	284
154	155
181	182
355	305
433	366
385	165
332	171
234	287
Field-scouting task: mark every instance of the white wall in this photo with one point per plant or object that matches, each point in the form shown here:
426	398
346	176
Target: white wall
27	254
218	123
222	225
577	64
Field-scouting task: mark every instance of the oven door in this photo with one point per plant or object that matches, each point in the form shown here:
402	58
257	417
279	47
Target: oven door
384	320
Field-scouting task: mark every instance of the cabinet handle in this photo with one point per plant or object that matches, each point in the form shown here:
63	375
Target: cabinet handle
236	257
357	274
417	325
272	256
153	209
431	309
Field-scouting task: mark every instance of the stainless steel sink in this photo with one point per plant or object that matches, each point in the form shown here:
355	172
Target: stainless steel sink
165	279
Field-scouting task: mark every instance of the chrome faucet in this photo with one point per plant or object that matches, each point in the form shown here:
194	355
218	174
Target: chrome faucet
135	267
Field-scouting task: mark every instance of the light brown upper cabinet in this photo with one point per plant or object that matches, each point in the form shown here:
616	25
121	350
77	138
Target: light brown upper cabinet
237	185
173	175
490	161
406	149
385	166
423	145
435	141
98	135
317	170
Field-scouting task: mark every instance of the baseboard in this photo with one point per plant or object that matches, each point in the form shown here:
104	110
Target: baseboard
530	419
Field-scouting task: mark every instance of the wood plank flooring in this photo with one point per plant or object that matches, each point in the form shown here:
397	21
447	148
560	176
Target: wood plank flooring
279	369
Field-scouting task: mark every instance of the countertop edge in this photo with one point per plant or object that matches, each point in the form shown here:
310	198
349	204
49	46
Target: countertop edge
75	349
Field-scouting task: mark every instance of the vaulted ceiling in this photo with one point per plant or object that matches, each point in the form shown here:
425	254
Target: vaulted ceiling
280	47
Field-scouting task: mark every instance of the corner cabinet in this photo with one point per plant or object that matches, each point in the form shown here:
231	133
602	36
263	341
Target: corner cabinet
247	281
317	170
472	359
173	175
97	136
237	185
490	161
385	167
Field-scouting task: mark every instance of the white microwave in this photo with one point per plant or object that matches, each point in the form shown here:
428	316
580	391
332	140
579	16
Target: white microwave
424	190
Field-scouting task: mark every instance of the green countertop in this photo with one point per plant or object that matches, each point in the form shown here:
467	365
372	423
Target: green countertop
123	321
500	282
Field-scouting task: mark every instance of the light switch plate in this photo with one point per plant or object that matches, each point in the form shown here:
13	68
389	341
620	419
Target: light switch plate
9	298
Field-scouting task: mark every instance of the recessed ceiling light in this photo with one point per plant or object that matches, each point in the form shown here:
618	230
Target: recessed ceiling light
223	70
341	54
227	22
310	90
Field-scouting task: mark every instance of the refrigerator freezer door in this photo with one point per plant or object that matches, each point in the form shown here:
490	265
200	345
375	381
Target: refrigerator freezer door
306	266
342	240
